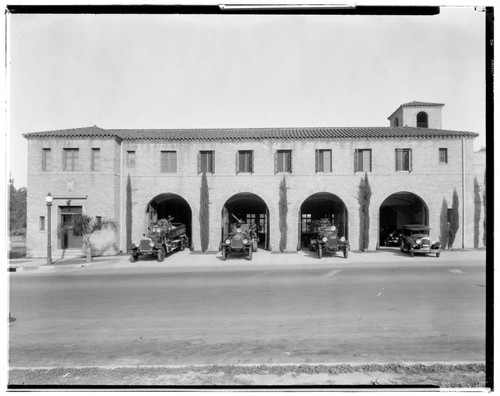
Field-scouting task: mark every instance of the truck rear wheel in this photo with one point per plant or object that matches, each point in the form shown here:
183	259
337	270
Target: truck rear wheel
183	246
346	252
224	255
133	258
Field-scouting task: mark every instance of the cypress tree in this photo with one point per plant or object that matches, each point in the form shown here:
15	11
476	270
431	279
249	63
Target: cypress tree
283	212
204	215
443	221
128	213
484	216
454	219
364	196
477	212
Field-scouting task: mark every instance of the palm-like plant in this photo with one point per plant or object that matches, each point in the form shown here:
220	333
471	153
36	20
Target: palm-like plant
86	226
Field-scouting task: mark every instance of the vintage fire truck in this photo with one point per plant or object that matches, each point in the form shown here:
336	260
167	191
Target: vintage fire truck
164	237
242	239
326	239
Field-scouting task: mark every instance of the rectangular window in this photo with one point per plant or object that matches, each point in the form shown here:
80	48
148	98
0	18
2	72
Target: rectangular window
443	155
283	161
363	160
323	160
70	159
403	160
206	162
41	223
96	159
130	158
98	220
244	161
306	222
46	159
251	218
168	161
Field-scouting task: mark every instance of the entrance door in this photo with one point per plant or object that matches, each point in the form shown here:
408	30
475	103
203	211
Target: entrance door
68	238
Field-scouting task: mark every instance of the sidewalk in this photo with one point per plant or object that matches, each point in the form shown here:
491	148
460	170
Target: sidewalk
213	259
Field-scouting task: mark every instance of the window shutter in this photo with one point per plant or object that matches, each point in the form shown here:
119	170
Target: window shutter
213	161
316	160
275	162
77	160
289	157
409	160
370	160
199	162
355	160
250	161
237	163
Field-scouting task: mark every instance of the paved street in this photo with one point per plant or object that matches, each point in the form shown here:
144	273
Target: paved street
359	310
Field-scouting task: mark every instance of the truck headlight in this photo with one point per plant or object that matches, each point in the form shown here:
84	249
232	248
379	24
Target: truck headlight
333	228
418	241
136	245
228	241
325	239
151	244
245	241
238	230
342	239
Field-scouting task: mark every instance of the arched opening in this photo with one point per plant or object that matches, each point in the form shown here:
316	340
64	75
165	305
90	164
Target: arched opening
422	120
396	121
164	205
399	209
251	209
319	206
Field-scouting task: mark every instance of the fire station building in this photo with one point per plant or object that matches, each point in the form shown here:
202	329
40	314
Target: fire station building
412	166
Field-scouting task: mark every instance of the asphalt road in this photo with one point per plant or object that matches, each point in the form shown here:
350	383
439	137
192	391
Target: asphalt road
342	313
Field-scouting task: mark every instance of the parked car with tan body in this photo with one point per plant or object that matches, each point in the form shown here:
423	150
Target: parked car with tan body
416	239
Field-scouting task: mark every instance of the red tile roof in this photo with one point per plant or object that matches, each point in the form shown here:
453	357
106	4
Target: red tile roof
418	104
254	133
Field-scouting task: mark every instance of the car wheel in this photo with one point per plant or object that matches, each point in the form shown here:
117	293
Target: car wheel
183	246
412	253
224	255
438	254
250	254
161	255
346	252
320	252
386	243
133	258
402	247
254	247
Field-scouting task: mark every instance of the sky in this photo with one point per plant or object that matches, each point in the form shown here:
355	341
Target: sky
216	71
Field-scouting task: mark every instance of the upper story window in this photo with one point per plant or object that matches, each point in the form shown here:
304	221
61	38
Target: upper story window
169	162
363	160
283	161
71	159
206	162
422	120
244	161
41	223
131	158
98	222
403	160
46	159
95	159
443	155
323	160
396	121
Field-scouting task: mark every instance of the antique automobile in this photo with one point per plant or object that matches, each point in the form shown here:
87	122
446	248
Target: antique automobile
326	239
415	239
242	239
393	238
163	237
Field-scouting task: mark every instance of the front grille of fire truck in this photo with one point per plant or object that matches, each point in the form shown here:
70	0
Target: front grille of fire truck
237	242
145	244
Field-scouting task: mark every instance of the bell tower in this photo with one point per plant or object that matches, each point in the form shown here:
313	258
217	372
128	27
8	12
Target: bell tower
417	115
